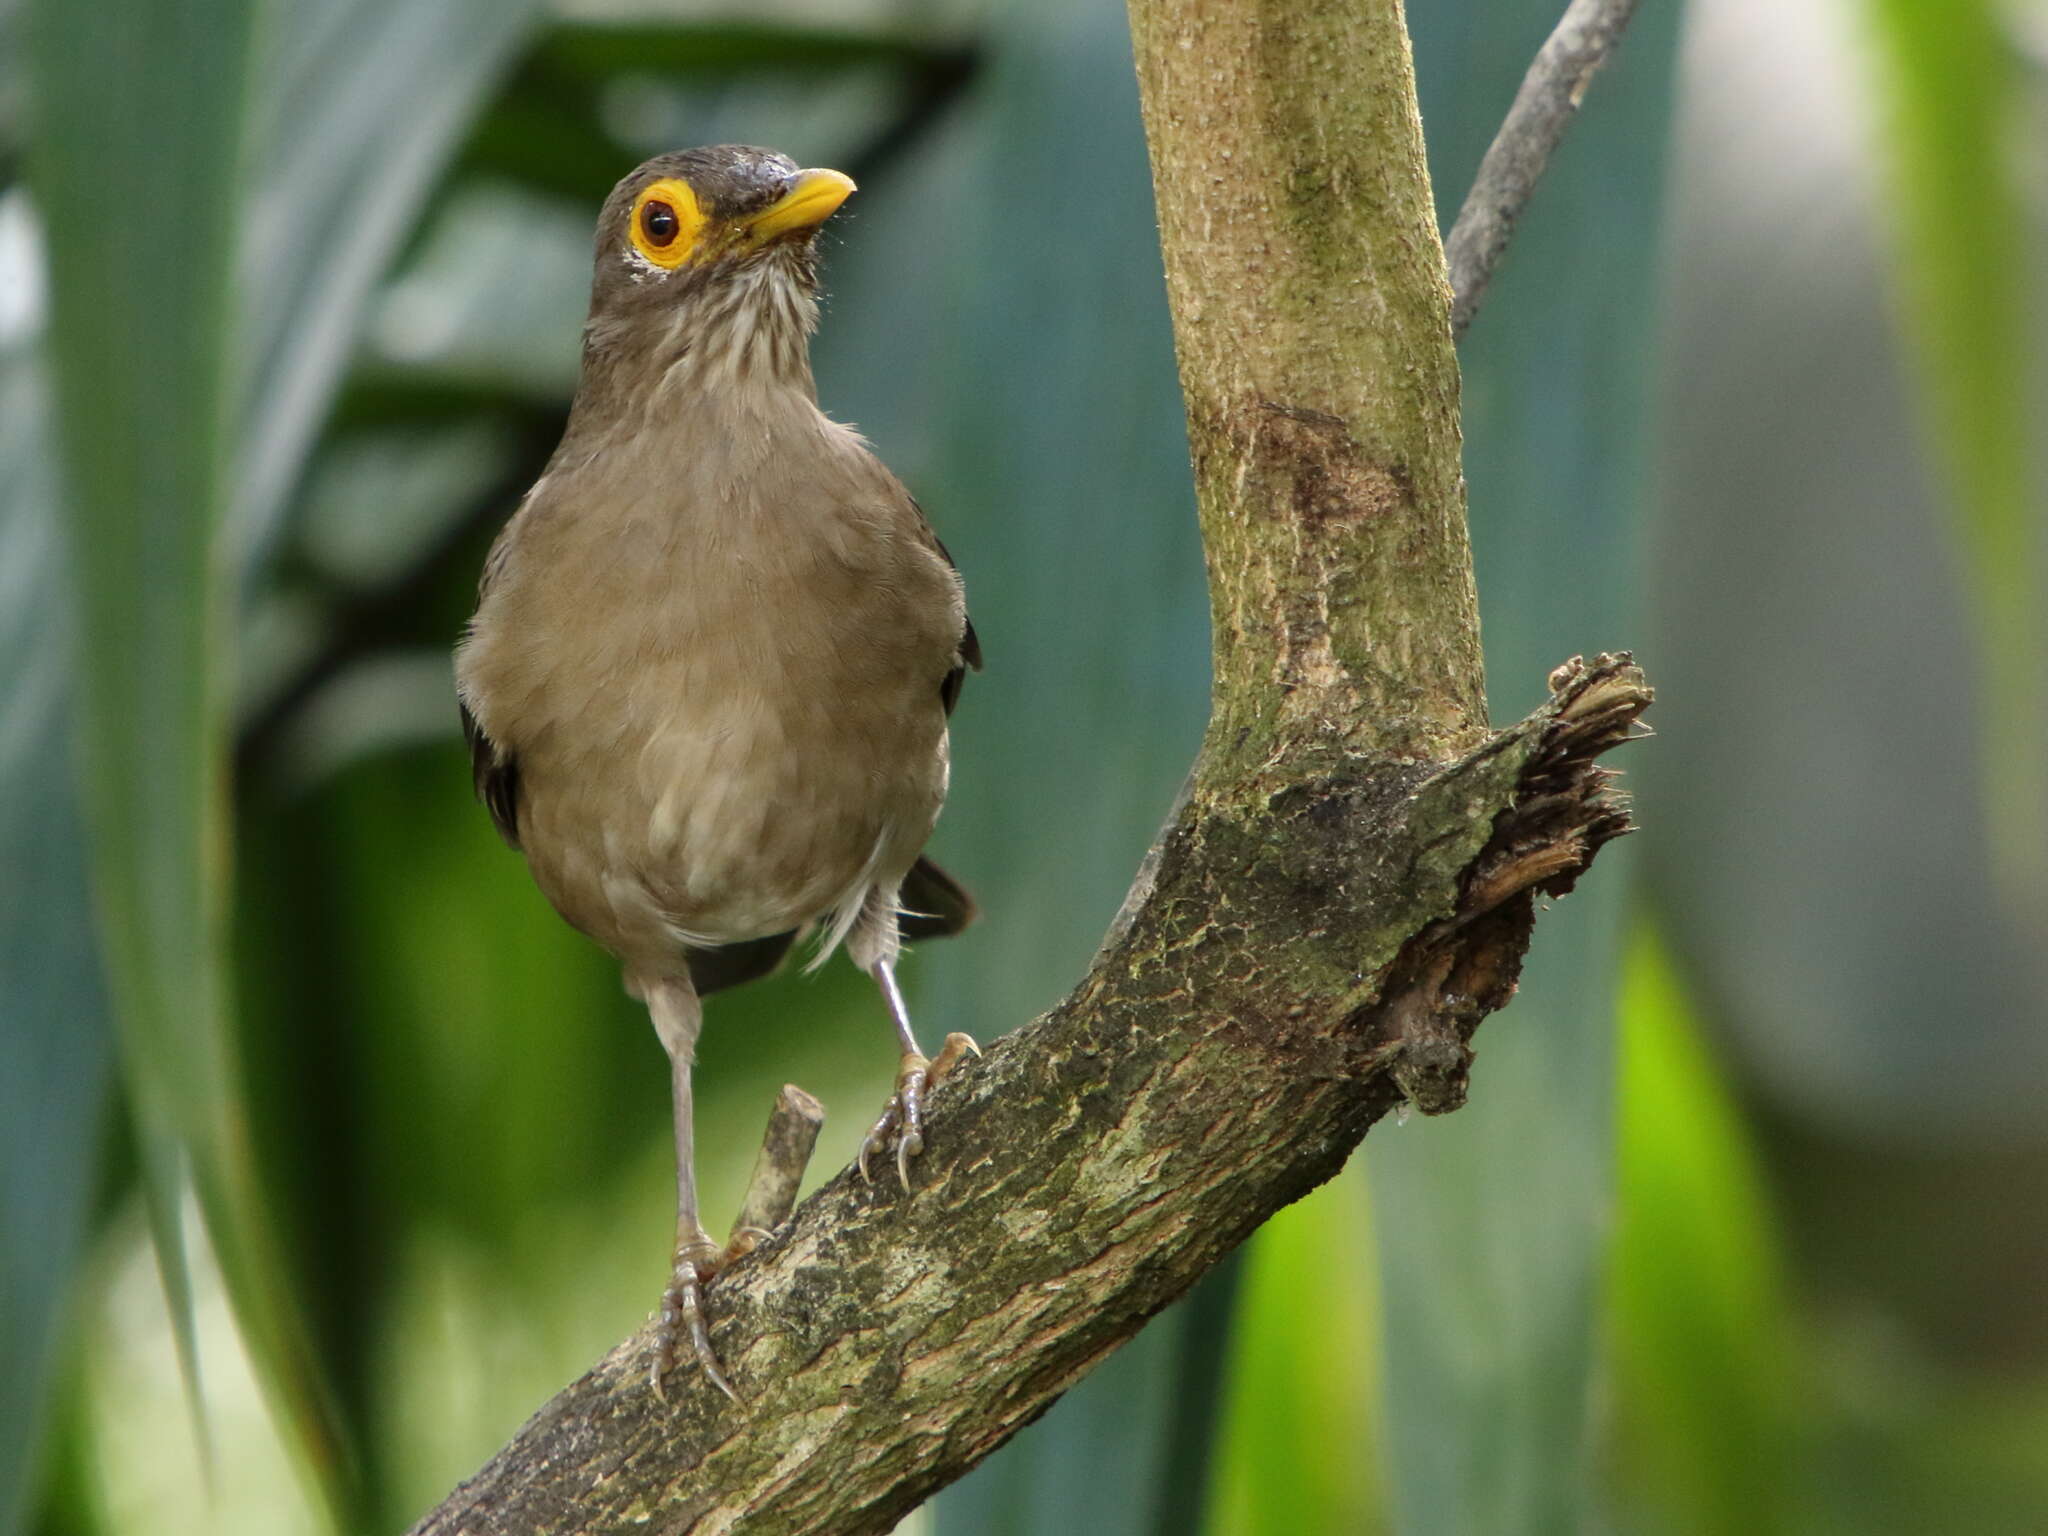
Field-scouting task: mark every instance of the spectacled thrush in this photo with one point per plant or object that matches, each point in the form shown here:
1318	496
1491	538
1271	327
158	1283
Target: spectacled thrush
707	684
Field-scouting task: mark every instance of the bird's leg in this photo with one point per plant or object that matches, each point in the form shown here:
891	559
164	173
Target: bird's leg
678	1016
902	1118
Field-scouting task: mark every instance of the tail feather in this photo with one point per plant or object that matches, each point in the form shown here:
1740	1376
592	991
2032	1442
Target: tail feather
933	904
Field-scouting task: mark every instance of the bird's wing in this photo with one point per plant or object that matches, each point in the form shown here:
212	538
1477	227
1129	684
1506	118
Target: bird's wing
496	775
492	767
933	904
970	643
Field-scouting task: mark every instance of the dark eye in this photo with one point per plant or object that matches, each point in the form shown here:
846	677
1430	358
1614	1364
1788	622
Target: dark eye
659	222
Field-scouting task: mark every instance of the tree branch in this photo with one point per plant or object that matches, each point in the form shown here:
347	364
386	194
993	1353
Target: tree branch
1346	890
1535	124
1295	973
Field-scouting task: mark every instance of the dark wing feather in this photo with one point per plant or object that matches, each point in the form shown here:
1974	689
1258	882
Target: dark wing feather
970	642
970	656
492	768
496	775
934	903
713	970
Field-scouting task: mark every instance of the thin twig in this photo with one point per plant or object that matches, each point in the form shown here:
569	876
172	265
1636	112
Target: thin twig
1544	107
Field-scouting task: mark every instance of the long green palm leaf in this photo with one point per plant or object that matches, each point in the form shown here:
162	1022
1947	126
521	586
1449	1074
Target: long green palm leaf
1709	1430
56	1057
136	172
359	110
1950	81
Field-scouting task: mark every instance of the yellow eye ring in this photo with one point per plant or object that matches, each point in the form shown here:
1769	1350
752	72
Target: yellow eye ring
666	223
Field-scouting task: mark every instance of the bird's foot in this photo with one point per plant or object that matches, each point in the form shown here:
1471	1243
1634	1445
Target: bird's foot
682	1311
902	1119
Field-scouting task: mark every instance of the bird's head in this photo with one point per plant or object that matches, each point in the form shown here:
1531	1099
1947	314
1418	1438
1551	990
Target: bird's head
710	255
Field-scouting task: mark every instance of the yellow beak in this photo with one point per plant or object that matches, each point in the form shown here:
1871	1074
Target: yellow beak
810	201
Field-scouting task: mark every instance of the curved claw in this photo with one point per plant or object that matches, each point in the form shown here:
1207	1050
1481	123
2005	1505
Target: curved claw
957	1048
878	1136
682	1311
902	1118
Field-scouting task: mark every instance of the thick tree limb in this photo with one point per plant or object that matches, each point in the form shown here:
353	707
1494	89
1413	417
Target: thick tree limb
1346	889
1297	970
1535	124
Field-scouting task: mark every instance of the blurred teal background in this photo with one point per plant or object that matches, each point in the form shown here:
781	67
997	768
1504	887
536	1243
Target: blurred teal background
300	1078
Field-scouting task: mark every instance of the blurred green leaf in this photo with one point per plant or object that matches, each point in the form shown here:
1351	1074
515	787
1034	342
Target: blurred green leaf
64	1503
599	50
480	1011
1492	1223
1801	535
1951	103
556	126
406	1100
1022	380
1194	1385
1708	1429
56	1057
127	149
1302	1377
12	91
360	106
357	109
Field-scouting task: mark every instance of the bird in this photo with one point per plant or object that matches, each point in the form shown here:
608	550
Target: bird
707	685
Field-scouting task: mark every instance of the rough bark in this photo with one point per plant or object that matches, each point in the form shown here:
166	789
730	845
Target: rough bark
1346	889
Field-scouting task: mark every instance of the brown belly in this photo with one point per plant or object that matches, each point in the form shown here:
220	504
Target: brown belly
728	824
725	712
